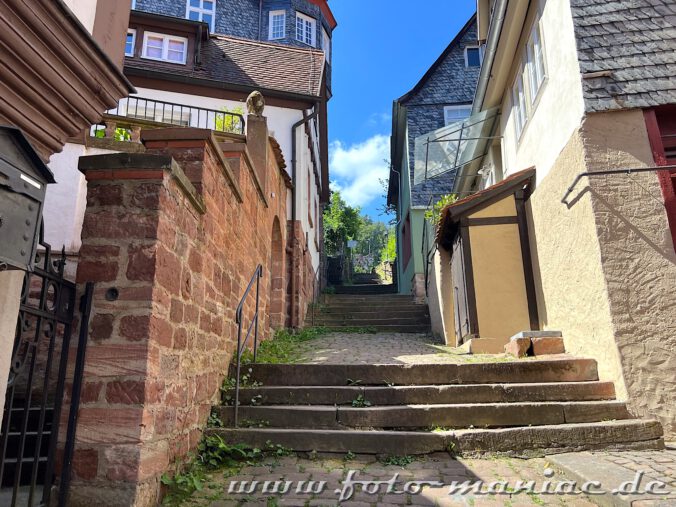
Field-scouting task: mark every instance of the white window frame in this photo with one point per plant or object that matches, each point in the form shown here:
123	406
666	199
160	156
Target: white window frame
481	58
326	44
202	11
535	58
307	20
131	31
165	47
448	109
271	17
519	104
133	5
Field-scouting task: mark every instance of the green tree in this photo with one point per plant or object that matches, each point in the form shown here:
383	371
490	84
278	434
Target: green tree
341	224
389	252
227	122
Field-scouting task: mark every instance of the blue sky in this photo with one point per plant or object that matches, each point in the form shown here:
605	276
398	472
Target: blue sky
381	48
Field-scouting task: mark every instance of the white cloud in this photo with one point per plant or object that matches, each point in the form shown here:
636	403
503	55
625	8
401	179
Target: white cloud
377	119
357	169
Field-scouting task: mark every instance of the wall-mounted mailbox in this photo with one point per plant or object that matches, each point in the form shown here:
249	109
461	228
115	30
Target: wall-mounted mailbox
23	186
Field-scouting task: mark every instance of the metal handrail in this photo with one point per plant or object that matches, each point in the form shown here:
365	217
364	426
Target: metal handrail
178	114
241	345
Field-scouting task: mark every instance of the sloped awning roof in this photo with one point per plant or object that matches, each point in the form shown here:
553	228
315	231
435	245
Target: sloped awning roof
453	146
451	214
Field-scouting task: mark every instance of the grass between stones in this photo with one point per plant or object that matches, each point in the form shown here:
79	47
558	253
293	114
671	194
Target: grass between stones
286	347
213	454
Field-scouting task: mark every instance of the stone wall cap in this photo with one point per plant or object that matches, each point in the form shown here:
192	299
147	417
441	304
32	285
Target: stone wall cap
118	161
175	134
537	334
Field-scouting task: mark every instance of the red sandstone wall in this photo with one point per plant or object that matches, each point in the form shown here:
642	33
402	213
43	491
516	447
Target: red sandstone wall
179	258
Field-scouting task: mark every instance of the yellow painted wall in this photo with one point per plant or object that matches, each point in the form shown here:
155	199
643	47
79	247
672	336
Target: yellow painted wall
502	305
504	208
638	261
572	291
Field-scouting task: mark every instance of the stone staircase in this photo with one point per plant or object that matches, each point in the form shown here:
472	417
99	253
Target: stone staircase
522	407
383	312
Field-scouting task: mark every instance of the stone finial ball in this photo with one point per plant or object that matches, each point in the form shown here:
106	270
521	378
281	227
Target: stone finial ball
255	103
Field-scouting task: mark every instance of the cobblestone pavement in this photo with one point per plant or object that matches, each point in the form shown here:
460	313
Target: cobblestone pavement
385	348
614	468
439	468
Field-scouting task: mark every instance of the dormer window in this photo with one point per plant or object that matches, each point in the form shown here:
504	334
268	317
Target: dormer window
277	25
166	48
473	56
306	28
202	10
131	42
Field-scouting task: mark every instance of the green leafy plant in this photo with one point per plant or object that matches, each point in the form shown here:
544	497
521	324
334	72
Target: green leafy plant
350	456
283	348
214	420
213	453
433	215
400	461
361	402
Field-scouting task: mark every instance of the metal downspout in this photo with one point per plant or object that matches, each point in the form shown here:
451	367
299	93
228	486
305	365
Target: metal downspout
489	57
294	206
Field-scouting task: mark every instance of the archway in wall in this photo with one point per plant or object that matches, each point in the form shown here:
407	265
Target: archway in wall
276	270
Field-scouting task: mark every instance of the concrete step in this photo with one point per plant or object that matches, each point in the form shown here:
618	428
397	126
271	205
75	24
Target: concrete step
353	298
490	415
382	328
365	289
329	321
361	311
427	394
513	372
630	434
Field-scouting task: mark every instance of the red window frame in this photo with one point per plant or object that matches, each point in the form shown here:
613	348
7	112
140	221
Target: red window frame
661	126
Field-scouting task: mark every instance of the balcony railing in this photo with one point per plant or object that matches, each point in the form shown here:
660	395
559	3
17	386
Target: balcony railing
122	122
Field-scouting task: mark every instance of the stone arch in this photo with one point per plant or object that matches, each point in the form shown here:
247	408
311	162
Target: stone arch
276	270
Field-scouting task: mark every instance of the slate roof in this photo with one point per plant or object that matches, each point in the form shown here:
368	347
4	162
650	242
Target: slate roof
251	64
627	52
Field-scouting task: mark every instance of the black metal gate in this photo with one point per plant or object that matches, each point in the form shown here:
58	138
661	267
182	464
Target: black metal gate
37	384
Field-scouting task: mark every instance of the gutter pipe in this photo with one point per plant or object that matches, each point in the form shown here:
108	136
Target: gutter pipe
489	58
294	207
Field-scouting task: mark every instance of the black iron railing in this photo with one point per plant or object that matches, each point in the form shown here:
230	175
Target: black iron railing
253	326
179	114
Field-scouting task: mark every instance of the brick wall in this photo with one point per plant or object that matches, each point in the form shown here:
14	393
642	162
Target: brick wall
450	83
172	238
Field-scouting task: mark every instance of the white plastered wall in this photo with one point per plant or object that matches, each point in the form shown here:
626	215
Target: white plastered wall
66	200
559	107
85	10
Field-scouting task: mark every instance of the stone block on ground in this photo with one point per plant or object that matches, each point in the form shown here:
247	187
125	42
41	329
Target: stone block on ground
518	347
548	346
